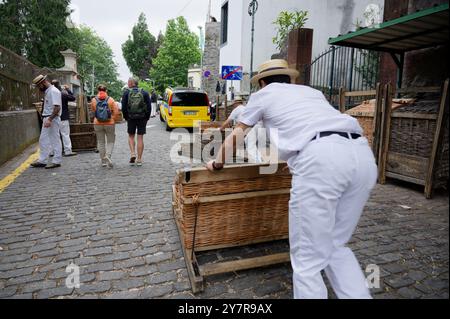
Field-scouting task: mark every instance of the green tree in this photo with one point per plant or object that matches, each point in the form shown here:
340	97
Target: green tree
35	29
179	49
95	61
140	49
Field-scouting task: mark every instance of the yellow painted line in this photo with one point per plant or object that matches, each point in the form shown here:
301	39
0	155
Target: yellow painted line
8	180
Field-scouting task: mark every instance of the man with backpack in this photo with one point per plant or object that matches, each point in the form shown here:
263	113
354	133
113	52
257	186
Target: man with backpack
104	108
136	109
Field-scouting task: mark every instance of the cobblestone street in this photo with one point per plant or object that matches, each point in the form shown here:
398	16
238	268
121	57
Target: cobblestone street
117	226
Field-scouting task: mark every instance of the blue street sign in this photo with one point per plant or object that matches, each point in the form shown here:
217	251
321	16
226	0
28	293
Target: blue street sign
232	73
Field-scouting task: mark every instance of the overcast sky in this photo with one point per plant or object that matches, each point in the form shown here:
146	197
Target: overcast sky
113	20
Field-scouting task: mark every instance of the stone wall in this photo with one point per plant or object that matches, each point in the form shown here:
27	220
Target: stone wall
211	59
18	130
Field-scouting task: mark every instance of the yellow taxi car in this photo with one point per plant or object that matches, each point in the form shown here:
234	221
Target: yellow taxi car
182	107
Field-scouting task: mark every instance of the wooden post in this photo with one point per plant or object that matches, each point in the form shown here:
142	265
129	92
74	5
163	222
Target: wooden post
225	109
217	108
342	100
377	121
437	140
385	132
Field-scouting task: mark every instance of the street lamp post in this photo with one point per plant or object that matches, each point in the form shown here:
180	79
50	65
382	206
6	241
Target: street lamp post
253	7
201	56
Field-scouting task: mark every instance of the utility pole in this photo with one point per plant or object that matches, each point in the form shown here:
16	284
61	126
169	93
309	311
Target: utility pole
253	7
208	16
201	56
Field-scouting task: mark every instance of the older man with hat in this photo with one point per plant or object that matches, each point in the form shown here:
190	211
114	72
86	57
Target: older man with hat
51	115
333	171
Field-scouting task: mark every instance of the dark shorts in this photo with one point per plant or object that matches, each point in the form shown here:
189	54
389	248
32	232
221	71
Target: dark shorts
139	125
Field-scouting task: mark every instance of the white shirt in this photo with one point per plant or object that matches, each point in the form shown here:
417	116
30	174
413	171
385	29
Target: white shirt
298	112
236	114
52	98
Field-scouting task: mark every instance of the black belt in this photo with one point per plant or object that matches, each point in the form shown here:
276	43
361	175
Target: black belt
346	135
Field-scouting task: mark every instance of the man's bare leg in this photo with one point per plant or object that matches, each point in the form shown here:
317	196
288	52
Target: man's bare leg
132	144
140	147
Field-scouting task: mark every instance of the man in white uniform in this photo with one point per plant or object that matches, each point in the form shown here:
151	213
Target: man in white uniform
254	156
51	117
333	172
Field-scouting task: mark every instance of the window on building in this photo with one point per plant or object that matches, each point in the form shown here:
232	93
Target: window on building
224	37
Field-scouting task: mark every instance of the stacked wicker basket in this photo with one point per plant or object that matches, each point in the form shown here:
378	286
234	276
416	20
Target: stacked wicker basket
83	137
415	138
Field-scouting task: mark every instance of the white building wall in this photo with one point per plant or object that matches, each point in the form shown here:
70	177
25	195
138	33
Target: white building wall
328	18
195	75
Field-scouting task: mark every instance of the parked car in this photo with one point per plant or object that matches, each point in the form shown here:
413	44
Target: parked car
182	107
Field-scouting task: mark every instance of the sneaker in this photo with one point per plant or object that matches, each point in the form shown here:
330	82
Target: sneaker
133	160
70	154
38	165
139	163
109	162
52	166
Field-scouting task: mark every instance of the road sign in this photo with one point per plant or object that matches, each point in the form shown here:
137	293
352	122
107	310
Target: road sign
232	73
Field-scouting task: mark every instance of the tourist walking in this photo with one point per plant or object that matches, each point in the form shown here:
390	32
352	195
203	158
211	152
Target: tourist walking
104	110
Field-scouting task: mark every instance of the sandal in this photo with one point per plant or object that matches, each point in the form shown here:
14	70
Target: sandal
133	159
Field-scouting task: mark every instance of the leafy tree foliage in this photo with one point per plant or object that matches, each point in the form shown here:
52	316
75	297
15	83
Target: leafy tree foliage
140	49
179	50
95	61
35	29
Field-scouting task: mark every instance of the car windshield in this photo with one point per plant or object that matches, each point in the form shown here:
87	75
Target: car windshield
189	99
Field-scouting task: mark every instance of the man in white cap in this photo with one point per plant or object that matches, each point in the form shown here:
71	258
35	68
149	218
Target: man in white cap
51	116
333	170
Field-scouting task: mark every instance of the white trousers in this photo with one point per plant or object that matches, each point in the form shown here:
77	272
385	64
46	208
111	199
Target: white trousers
50	142
65	134
154	105
332	181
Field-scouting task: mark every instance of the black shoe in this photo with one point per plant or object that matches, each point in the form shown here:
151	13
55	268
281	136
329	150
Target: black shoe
52	166
38	165
133	160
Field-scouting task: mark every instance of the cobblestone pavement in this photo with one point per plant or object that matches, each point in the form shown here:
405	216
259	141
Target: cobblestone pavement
117	226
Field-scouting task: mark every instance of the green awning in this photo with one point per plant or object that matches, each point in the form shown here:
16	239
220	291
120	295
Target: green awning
422	29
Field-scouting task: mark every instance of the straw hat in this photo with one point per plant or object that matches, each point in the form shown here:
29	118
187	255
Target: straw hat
238	98
39	79
275	67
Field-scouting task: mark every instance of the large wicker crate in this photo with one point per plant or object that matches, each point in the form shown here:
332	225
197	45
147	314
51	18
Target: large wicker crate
237	205
234	207
83	137
365	114
415	145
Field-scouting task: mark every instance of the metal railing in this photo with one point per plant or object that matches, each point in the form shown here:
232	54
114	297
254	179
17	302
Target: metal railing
353	69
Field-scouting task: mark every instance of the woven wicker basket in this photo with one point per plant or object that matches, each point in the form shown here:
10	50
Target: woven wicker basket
83	137
365	113
415	143
236	206
413	130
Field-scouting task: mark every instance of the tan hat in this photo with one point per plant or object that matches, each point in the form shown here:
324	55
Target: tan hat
238	98
39	79
275	67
